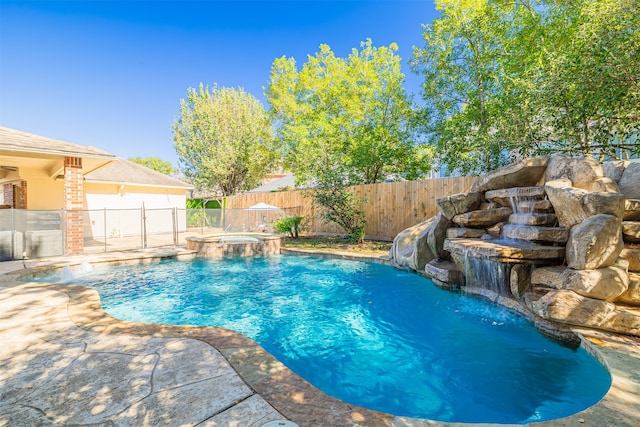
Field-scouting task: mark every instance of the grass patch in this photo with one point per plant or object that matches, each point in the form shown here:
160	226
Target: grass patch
340	244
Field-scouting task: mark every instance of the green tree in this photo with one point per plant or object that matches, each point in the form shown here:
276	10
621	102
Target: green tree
339	205
352	112
224	140
154	163
529	77
462	76
592	78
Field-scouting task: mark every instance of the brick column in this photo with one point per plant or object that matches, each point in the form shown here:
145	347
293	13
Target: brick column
22	203
73	204
7	191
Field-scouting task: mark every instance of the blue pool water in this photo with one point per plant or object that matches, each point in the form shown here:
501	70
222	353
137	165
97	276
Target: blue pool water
368	334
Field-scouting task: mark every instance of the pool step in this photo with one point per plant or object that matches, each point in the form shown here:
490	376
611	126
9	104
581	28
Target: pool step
444	273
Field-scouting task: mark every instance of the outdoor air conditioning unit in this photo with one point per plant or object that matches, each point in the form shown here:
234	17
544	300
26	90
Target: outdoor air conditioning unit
44	243
11	245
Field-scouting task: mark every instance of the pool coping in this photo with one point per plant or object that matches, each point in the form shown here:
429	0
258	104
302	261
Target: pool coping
294	397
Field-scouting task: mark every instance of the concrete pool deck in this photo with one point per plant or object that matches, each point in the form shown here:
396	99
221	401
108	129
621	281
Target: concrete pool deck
64	361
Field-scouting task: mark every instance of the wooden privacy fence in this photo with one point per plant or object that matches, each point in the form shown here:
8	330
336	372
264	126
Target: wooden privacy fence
390	208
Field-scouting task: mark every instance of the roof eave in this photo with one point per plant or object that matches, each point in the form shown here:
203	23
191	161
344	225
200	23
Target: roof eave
133	184
32	152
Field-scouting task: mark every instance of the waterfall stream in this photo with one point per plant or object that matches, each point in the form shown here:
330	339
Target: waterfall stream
482	272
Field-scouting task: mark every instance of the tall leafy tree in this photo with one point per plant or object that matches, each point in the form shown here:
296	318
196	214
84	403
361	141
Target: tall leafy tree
461	69
350	112
592	76
345	121
224	140
154	163
529	77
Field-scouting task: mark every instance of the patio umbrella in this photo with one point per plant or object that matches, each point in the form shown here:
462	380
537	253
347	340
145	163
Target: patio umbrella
263	206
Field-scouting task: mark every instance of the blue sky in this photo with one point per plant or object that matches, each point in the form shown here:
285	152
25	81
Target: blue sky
111	74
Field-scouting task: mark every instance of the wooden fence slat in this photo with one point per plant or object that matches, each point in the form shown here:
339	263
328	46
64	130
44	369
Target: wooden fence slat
390	208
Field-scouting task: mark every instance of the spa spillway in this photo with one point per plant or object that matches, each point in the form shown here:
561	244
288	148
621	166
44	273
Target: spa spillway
242	244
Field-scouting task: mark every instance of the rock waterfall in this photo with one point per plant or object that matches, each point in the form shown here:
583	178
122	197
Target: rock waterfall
554	237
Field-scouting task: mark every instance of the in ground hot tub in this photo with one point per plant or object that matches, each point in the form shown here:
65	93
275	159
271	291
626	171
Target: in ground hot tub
241	244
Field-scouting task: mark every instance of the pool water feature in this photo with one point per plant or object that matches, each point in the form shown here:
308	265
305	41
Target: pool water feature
233	245
239	239
368	334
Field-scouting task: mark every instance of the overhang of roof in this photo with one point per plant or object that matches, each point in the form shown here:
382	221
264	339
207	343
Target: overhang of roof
25	150
122	171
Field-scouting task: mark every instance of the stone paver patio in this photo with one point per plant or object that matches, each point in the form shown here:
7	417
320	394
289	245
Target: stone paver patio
63	361
54	371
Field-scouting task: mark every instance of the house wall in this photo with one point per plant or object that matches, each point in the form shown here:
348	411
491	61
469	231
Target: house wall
123	204
44	192
115	196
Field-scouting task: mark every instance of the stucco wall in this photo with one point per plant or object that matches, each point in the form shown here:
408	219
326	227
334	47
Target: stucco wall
44	192
123	204
115	196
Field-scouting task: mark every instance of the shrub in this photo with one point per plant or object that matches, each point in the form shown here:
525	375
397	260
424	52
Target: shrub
289	224
344	209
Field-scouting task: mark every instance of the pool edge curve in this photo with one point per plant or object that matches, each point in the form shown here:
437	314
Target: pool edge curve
301	402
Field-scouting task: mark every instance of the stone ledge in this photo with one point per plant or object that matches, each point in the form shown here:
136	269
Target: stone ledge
482	218
539	219
631	210
471	233
505	252
605	283
505	196
536	234
631	231
568	307
444	271
632	255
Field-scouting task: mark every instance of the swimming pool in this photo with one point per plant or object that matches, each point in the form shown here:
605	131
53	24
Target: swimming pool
368	334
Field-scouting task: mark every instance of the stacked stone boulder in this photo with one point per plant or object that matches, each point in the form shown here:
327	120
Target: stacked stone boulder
565	230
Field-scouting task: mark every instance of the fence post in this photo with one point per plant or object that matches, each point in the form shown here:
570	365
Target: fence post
174	213
64	230
144	227
105	229
203	216
13	234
